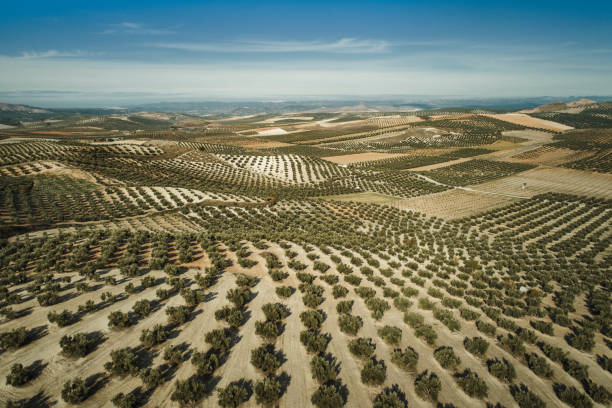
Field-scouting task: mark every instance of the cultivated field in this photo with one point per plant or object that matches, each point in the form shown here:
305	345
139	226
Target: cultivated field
362	259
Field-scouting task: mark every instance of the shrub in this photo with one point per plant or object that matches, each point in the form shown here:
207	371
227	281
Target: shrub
48	298
350	324
447	358
427	333
122	400
14	339
268	390
406	359
284	291
390	334
233	395
245	281
314	341
62	319
154	336
218	340
123	362
173	355
513	344
414	320
312	319
323	369
428	386
151	377
206	363
597	392
402	304
275	312
447	318
365	292
77	345
471	384
504	370
374	372
74	391
390	398
264	358
542	326
268	330
189	391
277	275
378	307
239	297
525	398
575	369
554	353
572	397
353	280
345	306
539	365
362	347
486	328
178	314
476	345
339	291
426	304
327	396
18	376
119	320
312	300
468	314
581	339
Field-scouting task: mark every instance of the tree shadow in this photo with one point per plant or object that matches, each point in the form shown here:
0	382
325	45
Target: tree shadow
96	382
40	400
36	368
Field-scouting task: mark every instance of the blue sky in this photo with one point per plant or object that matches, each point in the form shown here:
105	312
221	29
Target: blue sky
65	51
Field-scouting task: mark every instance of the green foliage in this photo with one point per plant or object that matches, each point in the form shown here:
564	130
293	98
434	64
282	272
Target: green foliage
232	395
219	340
323	368
77	345
504	370
18	376
206	363
312	319
123	362
525	398
391	335
328	396
476	345
345	306
428	386
374	372
350	324
447	358
74	391
264	358
188	392
471	384
362	347
268	391
314	341
407	359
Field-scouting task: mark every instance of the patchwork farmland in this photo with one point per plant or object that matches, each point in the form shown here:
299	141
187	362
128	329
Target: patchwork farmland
451	258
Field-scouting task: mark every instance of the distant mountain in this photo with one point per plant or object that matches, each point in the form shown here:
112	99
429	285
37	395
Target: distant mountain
561	106
8	107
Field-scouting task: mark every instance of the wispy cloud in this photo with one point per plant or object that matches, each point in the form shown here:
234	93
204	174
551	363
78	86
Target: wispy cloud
129	27
342	46
57	54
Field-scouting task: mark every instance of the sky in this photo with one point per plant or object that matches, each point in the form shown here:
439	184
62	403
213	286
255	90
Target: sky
65	53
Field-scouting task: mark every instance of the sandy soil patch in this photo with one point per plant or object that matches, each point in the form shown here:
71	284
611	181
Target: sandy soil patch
534	136
361	157
454	203
526	120
552	179
550	156
440	165
365	197
265	144
277	118
271	132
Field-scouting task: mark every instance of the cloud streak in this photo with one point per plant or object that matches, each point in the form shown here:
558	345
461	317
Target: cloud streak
132	28
57	54
342	46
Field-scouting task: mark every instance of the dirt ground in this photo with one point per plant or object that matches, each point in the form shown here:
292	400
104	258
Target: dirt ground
549	156
552	179
454	203
361	157
526	120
